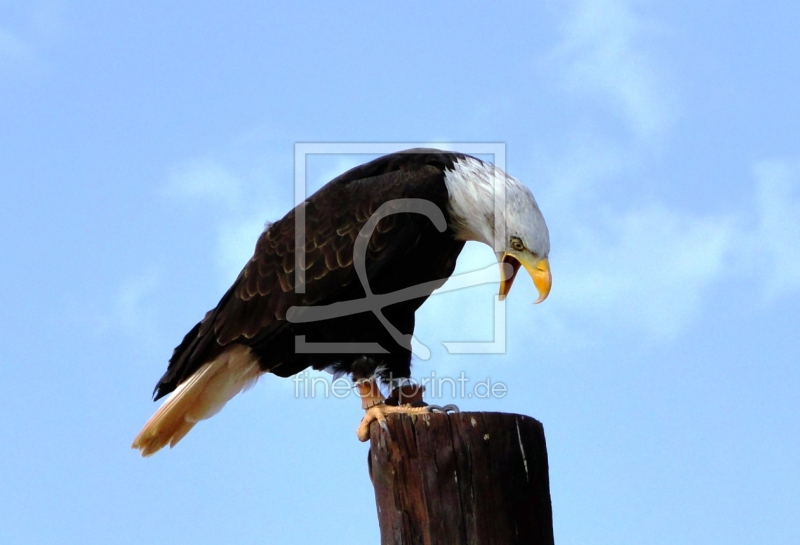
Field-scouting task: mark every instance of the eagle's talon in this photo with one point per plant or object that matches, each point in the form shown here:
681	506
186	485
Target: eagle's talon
379	412
447	409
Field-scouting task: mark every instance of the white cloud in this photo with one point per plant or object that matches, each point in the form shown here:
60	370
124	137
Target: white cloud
640	273
604	51
643	270
132	312
131	295
204	180
248	201
575	179
646	269
236	240
639	268
777	234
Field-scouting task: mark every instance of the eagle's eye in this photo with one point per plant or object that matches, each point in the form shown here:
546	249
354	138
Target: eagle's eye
516	244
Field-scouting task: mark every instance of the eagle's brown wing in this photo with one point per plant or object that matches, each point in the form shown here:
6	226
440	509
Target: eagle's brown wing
253	311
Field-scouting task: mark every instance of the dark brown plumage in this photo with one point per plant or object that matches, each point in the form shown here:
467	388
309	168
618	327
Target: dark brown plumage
253	312
392	226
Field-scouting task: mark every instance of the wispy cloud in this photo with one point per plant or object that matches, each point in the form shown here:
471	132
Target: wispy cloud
776	236
644	271
236	240
635	266
125	308
604	52
130	304
642	274
235	202
204	180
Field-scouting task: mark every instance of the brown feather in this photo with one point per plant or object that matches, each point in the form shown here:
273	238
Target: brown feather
252	314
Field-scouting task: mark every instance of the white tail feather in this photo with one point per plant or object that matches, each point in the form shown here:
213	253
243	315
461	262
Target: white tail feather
201	396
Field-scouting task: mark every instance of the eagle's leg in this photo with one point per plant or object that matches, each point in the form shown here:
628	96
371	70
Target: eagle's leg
377	407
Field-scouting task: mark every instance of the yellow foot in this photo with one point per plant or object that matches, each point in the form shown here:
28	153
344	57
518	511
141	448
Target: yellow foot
379	412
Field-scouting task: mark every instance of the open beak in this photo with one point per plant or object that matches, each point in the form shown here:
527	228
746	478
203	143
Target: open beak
539	269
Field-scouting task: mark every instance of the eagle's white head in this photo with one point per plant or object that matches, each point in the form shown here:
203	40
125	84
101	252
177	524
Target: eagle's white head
517	232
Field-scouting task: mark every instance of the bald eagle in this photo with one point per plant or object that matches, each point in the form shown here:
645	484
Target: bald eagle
395	224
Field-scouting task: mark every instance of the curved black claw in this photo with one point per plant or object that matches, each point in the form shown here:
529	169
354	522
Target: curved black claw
446	409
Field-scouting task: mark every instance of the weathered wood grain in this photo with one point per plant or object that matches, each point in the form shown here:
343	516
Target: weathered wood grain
467	478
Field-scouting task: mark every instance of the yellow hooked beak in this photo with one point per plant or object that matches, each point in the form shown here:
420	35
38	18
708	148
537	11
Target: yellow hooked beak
539	269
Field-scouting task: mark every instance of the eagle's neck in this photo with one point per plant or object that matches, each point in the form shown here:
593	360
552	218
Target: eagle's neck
473	200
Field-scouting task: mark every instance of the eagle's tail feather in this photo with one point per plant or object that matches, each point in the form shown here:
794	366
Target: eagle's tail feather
201	396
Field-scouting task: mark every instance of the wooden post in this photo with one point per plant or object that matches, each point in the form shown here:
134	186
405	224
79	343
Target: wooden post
461	479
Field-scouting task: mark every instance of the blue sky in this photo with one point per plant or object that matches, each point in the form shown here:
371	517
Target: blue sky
142	148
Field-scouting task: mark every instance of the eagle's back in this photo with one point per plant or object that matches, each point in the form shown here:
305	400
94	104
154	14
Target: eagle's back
405	249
